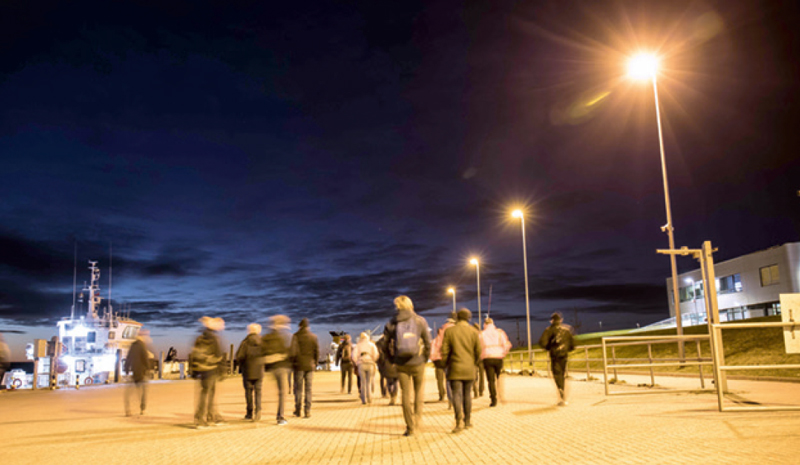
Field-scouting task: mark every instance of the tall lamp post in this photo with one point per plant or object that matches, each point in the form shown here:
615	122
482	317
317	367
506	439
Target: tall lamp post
645	67
475	262
518	214
452	290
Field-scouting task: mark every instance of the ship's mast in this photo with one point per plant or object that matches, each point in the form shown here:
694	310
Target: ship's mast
94	291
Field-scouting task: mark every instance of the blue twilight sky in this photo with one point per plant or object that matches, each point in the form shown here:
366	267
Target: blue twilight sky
318	159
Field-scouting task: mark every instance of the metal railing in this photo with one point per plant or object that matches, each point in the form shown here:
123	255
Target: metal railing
720	367
699	361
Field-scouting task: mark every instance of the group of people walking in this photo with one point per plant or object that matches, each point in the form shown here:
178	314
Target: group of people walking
461	353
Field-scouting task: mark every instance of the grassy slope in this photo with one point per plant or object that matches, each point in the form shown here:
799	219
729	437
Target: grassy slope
762	346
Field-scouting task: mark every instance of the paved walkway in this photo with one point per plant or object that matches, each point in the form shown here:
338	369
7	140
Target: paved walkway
87	426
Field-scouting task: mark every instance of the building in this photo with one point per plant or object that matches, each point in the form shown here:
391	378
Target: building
747	287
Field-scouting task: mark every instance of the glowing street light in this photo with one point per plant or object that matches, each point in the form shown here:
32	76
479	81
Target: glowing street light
518	214
474	261
452	290
645	67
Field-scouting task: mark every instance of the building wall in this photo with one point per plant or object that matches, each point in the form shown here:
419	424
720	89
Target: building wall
752	295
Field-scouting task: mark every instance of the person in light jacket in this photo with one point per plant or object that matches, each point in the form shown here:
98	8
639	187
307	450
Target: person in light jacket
495	345
365	357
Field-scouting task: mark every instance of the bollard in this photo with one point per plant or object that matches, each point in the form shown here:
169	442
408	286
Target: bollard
181	367
650	358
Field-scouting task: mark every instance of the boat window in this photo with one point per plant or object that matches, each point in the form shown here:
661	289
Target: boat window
111	335
80	366
130	332
91	336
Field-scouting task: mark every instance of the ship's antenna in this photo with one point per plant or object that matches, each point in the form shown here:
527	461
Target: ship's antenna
109	308
74	281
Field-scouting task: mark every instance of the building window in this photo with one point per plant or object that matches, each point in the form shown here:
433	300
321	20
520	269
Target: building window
686	294
770	275
729	284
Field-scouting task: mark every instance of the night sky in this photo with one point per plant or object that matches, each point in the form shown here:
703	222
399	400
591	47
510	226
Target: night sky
320	158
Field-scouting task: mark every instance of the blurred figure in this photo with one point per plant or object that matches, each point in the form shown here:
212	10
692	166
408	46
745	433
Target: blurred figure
495	346
305	354
480	375
409	342
388	370
5	359
344	359
206	362
277	343
557	340
461	351
138	364
365	357
250	356
438	363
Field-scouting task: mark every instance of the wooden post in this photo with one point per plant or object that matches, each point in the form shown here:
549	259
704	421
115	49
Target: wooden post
650	358
700	360
614	361
161	365
586	354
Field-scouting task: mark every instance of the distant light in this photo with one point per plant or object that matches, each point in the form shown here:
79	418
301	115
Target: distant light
450	290
474	261
517	213
689	281
643	66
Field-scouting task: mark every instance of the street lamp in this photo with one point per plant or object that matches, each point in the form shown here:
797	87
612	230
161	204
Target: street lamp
475	262
518	214
452	290
645	67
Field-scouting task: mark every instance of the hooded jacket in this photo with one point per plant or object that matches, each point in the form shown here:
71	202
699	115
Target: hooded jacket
365	352
461	351
207	352
277	343
436	346
305	350
138	360
252	365
390	333
495	342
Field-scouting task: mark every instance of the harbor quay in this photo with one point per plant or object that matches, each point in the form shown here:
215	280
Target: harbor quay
88	425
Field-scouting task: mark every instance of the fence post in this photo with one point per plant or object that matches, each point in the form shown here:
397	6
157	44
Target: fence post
614	361
586	354
605	365
650	358
520	363
230	372
700	360
161	365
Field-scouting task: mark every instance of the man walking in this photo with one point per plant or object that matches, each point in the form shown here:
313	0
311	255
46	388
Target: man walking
461	351
138	364
250	356
305	354
276	346
408	340
557	340
495	345
206	358
344	359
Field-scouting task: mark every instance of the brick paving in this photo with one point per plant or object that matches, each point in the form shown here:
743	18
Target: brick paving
88	426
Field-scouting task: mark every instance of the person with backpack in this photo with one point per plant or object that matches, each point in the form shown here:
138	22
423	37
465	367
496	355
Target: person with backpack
558	341
305	354
250	356
206	359
5	358
276	347
137	363
408	338
495	345
461	352
344	359
365	357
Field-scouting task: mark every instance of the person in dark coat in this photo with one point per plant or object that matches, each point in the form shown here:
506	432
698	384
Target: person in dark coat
409	351
461	351
250	356
388	370
277	344
305	354
558	341
138	365
344	360
206	360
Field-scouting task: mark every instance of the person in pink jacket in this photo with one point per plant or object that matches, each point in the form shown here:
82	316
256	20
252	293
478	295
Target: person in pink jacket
365	357
495	345
438	363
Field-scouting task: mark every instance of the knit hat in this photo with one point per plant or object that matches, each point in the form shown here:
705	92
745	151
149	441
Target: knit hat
556	317
464	314
304	323
254	328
